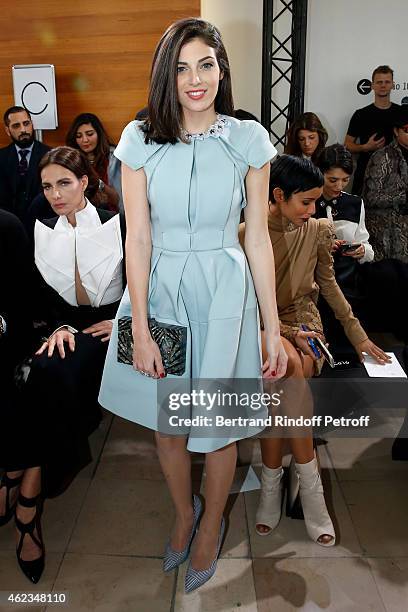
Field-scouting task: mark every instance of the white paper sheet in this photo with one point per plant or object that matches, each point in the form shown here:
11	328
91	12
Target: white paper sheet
388	370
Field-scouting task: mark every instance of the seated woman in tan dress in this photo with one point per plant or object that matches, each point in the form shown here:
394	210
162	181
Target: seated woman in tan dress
304	266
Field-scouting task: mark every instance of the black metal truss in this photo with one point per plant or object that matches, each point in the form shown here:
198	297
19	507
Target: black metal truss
283	64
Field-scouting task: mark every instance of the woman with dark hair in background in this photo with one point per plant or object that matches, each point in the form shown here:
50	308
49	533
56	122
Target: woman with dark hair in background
306	137
41	208
377	290
79	261
88	134
188	170
357	274
347	213
303	265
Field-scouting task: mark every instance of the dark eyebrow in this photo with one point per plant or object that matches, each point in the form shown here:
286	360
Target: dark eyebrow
200	60
61	180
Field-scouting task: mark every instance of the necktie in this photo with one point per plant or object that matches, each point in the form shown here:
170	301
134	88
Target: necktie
23	164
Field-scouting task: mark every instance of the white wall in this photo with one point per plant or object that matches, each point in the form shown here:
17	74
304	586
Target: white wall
345	41
240	23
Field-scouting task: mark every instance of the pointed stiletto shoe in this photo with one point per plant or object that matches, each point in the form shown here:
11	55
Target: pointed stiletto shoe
9	483
32	569
270	503
317	520
196	578
174	558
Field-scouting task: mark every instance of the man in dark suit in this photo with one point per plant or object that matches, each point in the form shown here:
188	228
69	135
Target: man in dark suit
19	178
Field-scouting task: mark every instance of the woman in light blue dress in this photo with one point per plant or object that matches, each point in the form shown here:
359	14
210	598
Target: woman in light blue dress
187	172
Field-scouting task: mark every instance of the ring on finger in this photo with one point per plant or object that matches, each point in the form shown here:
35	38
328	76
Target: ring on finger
145	373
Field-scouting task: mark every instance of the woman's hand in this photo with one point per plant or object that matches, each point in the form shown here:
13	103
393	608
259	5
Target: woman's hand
277	360
302	343
372	349
58	339
146	357
104	328
337	244
357	253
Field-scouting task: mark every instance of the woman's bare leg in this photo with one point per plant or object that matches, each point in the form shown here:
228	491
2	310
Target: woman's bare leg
13	493
220	468
30	487
175	461
299	368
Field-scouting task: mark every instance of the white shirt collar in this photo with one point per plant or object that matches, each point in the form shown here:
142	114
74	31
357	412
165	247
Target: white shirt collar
29	149
86	219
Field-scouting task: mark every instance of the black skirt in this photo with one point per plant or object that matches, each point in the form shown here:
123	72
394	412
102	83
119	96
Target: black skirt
50	419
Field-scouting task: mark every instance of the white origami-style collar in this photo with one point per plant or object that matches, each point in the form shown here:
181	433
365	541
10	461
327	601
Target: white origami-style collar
97	249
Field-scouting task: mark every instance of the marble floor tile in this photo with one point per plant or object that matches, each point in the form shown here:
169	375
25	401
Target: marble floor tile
96	442
379	513
338	585
290	537
12	579
365	459
391	577
114	584
231	588
236	543
124	517
58	519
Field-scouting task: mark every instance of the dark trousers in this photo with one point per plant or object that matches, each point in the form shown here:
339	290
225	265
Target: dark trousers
62	395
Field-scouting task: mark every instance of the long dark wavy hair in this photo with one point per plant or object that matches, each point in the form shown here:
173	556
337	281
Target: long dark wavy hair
75	161
312	123
164	122
102	151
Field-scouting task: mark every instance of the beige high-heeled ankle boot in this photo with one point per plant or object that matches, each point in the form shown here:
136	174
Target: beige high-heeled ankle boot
270	503
317	519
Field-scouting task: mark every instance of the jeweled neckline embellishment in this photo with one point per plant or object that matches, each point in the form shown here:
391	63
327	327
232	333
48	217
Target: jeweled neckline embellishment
215	130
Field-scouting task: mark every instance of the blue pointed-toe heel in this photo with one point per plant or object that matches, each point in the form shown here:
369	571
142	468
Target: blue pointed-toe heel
196	578
174	558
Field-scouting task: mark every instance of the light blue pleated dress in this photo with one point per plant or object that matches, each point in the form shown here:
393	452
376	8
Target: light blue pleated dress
199	274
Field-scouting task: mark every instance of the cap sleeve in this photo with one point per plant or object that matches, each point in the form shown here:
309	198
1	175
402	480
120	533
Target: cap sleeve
259	148
132	149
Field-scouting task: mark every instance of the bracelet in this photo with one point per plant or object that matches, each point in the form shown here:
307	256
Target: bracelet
69	328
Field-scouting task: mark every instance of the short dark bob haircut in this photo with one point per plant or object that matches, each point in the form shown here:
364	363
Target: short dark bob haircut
293	175
335	156
164	122
102	151
75	161
310	122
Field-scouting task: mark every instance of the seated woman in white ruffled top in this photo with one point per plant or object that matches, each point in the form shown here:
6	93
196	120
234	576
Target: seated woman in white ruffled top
79	260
